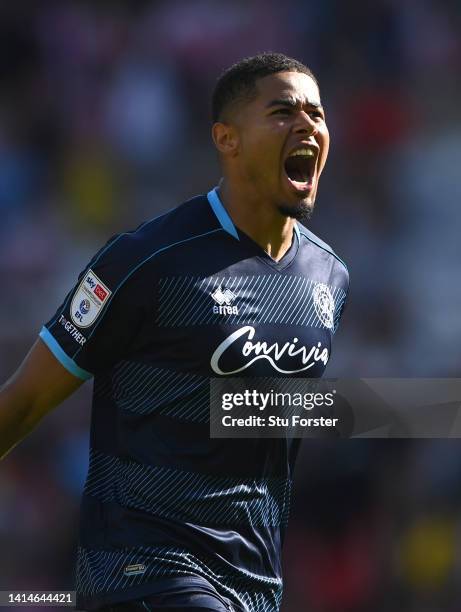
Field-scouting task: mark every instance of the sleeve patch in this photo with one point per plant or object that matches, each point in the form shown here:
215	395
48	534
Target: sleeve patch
89	300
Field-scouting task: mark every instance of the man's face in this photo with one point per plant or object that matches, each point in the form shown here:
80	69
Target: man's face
283	142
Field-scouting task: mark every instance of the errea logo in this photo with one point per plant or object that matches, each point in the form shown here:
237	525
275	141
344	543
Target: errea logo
224	299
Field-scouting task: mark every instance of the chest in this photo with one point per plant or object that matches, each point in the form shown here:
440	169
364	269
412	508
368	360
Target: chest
233	323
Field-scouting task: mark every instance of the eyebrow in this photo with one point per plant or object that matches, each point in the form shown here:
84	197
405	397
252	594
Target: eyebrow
291	103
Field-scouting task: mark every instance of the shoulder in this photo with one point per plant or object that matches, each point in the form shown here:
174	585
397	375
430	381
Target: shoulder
190	220
129	251
323	247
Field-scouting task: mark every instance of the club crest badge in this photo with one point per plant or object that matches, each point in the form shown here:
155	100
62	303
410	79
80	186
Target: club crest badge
324	304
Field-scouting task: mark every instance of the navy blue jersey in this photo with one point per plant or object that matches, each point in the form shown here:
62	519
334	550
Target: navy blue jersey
154	315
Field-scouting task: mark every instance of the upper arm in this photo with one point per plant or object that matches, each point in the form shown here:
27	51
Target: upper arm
92	329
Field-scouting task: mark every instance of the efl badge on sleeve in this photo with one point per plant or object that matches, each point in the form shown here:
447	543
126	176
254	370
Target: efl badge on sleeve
89	300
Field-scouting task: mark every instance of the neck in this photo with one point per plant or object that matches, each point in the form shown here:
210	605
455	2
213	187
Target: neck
266	226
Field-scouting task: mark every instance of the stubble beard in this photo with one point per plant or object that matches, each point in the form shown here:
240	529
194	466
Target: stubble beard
302	211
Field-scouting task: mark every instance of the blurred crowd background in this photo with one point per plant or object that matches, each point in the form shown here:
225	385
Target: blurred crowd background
104	122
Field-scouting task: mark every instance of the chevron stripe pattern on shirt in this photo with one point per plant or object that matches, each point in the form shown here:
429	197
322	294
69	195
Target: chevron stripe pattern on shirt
103	571
266	298
143	389
187	496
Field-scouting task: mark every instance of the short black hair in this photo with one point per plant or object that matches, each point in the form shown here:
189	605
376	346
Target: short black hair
239	81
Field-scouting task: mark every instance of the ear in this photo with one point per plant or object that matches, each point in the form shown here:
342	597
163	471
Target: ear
225	137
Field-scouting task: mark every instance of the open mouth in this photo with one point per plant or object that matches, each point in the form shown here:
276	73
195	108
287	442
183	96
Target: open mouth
300	168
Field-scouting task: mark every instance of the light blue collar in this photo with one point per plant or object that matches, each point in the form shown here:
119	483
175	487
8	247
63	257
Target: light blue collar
224	217
297	231
222	214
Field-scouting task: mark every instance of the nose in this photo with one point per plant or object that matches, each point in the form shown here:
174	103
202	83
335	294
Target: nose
305	124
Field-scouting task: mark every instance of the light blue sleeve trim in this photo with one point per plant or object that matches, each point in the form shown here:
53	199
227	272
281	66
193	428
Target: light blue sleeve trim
62	357
222	214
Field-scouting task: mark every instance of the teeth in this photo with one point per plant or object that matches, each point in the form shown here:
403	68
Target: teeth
304	152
